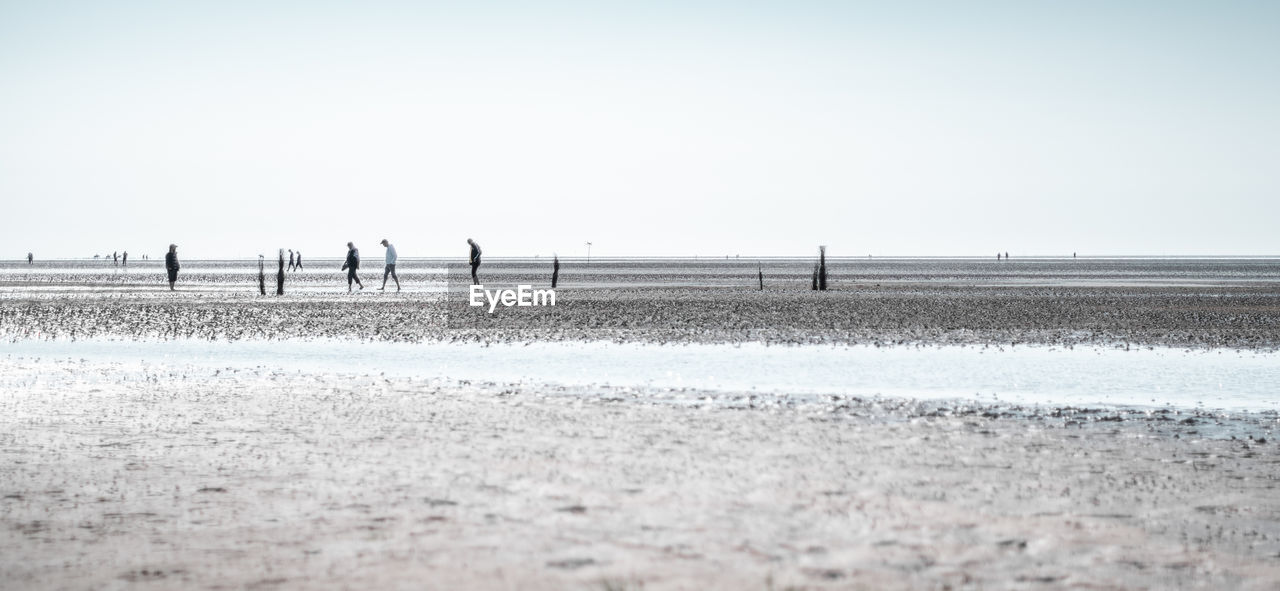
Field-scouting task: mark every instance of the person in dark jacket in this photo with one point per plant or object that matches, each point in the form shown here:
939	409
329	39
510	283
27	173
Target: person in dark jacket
290	259
171	264
475	261
298	266
353	263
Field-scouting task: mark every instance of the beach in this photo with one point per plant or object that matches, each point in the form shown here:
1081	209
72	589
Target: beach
170	465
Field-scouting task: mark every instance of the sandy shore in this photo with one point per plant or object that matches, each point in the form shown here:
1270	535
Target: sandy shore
112	475
171	474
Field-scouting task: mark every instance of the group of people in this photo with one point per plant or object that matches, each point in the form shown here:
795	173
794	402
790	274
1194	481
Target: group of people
351	265
118	258
295	266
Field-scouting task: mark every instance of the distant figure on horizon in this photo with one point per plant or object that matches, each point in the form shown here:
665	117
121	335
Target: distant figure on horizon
124	260
298	267
1073	255
171	264
30	258
290	259
474	260
115	258
997	256
350	266
391	266
1006	255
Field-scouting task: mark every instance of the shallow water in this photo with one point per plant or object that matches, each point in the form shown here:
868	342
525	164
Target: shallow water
1215	379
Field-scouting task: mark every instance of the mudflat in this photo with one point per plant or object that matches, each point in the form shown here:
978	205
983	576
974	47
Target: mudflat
168	473
1193	303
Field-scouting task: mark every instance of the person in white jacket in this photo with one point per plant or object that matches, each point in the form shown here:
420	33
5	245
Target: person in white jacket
391	266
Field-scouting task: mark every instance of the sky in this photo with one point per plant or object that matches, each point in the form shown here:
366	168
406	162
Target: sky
646	128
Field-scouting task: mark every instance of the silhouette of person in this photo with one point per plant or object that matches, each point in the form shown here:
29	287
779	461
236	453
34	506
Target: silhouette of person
350	266
298	266
474	260
997	256
124	260
30	258
391	266
171	264
290	259
115	257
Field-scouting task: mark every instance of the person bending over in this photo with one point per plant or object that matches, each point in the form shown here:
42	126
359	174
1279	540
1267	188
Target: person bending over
352	264
475	261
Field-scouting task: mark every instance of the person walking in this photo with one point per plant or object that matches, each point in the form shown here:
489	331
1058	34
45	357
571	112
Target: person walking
290	259
350	266
298	267
124	260
475	261
171	264
115	258
391	266
30	258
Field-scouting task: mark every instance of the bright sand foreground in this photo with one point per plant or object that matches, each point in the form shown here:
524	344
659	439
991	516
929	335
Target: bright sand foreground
258	479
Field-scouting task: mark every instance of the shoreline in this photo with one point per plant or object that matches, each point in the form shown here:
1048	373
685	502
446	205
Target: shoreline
1050	376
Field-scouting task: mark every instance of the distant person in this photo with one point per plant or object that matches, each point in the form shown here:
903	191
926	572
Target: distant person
475	261
1073	255
391	266
30	258
997	256
171	264
290	259
115	258
124	260
350	266
298	267
1006	255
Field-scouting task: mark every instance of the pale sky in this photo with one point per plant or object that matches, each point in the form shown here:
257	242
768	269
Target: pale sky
647	128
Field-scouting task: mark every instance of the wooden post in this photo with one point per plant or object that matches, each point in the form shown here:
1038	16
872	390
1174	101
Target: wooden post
822	268
280	275
555	272
262	277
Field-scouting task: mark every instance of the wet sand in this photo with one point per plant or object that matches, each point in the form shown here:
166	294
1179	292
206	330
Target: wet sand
1231	303
171	475
119	474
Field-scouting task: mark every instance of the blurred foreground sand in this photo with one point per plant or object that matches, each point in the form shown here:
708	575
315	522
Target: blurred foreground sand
256	479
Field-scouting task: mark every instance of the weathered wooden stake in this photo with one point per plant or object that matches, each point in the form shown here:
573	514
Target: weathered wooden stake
262	276
760	271
555	272
280	275
822	268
